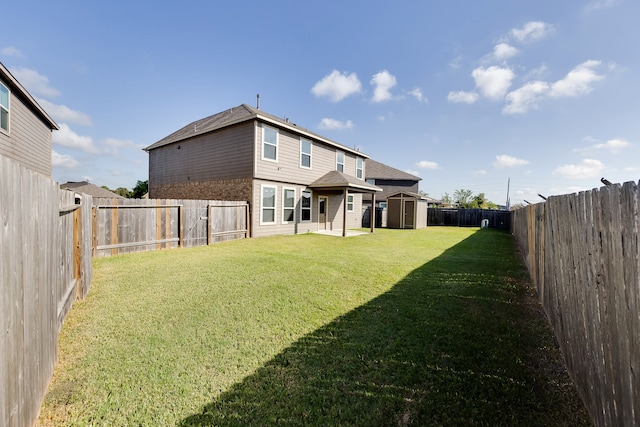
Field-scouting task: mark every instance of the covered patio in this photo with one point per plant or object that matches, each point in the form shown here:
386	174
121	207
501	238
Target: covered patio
336	182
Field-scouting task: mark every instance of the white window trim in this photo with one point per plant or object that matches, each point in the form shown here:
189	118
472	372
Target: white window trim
338	152
275	205
350	196
293	208
361	168
310	208
8	109
268	143
310	154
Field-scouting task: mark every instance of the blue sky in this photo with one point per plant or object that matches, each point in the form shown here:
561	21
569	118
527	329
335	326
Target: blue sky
466	95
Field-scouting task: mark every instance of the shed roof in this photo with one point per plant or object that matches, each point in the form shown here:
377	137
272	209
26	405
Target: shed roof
90	189
408	194
22	93
337	180
241	114
377	170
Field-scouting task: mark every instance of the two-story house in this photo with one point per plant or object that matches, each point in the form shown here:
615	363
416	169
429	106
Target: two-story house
25	128
295	180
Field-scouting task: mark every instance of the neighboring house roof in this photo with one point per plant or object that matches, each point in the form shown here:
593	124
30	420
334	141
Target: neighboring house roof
377	170
21	92
90	189
240	114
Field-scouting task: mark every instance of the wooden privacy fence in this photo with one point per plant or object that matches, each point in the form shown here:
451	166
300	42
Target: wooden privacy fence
468	217
133	225
45	264
582	251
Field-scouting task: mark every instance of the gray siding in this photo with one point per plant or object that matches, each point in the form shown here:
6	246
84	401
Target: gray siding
334	211
224	154
287	168
29	138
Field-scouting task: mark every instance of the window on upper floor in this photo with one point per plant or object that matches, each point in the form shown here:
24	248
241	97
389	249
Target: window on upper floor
305	206
371	181
359	168
340	161
305	153
4	107
269	143
268	212
288	205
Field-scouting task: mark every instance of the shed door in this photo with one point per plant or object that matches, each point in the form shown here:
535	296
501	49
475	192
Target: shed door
409	213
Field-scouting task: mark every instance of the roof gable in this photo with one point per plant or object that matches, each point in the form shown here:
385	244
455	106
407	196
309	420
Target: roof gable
240	114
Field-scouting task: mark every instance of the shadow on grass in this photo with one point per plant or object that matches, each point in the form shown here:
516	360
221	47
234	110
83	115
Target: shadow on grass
456	342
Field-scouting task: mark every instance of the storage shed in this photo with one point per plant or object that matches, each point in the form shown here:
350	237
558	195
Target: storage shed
406	210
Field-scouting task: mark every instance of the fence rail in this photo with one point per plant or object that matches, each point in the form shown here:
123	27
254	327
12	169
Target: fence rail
583	253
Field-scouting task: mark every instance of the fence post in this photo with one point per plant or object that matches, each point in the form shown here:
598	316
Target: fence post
77	251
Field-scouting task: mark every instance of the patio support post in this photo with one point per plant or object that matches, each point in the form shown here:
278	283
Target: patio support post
372	216
344	213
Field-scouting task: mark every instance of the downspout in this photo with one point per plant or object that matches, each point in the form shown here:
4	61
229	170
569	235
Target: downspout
372	214
344	213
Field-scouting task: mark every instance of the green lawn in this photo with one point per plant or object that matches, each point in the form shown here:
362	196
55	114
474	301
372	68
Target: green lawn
400	327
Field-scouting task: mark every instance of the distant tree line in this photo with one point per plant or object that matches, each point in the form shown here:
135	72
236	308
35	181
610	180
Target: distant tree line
463	198
141	188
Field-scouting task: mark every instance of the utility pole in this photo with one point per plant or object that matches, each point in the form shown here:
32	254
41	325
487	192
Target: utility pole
508	185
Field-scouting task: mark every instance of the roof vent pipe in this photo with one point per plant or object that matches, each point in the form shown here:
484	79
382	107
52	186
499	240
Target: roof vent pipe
258	101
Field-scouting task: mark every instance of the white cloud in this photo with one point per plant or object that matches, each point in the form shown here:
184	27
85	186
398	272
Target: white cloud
598	4
480	172
427	164
525	98
68	138
494	81
588	168
11	51
577	81
417	94
613	144
412	172
462	97
63	161
531	31
114	145
337	86
503	51
333	124
383	82
34	82
65	114
505	161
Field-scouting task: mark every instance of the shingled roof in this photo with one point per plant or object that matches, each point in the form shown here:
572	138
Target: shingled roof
90	189
338	180
377	170
240	114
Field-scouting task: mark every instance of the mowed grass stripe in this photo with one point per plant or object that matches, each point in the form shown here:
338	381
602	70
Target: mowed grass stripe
401	327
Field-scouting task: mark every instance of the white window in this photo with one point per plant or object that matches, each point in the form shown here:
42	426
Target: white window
305	206
4	108
268	212
359	167
269	143
383	205
288	205
371	181
340	161
305	153
349	202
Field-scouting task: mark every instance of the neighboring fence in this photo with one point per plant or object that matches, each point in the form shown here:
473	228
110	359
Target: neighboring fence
468	217
582	251
45	264
132	225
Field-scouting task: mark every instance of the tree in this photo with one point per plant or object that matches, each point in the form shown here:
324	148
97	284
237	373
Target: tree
446	200
463	198
121	191
141	188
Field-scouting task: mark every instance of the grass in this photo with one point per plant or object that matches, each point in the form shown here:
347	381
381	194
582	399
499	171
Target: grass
401	327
